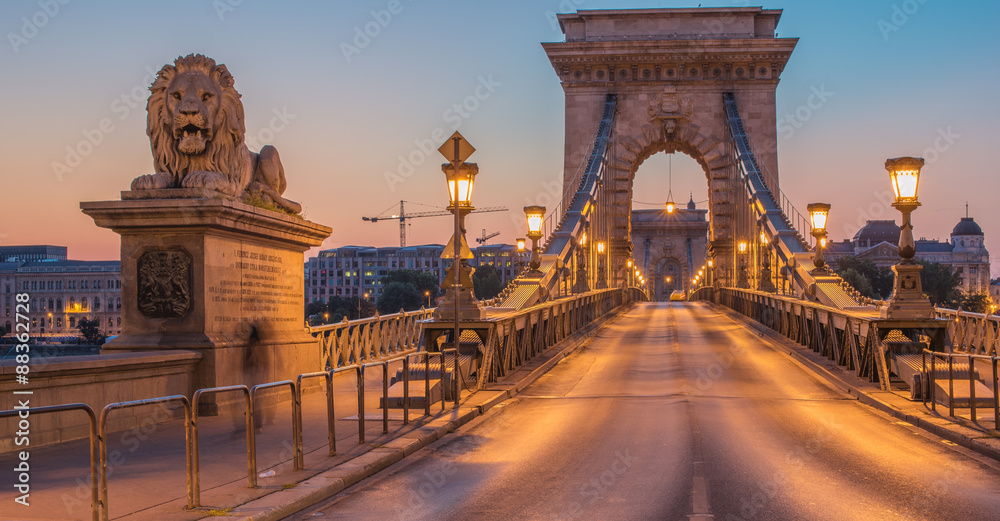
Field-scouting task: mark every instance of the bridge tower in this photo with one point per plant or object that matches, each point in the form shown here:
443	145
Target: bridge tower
669	69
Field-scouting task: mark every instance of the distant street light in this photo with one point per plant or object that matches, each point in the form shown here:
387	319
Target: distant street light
601	271
535	216
741	280
428	295
582	284
907	300
818	214
765	264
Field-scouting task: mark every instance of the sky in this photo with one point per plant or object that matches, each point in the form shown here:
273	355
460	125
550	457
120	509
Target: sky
352	114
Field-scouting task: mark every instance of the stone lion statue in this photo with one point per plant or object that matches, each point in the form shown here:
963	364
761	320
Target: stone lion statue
195	126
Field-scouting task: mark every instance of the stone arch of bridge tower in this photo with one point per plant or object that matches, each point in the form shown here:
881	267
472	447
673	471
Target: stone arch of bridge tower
709	151
661	288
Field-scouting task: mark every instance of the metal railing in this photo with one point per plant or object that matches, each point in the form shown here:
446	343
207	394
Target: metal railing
297	450
930	376
970	332
95	463
195	455
519	336
103	444
369	339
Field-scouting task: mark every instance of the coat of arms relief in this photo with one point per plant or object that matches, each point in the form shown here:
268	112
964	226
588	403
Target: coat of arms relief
668	109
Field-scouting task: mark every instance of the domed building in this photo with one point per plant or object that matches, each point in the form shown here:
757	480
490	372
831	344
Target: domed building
966	252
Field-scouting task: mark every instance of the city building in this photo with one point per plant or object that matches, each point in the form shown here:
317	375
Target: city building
351	271
61	292
966	252
32	253
669	248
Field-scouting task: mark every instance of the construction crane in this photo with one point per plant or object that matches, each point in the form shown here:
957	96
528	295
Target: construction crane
485	237
402	216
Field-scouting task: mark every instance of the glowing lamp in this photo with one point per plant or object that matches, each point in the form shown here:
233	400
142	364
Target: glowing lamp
743	247
600	247
818	213
904	172
520	245
535	215
460	183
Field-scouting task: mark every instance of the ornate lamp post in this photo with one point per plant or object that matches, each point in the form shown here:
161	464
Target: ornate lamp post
459	302
582	285
907	300
601	272
765	264
818	213
535	215
741	280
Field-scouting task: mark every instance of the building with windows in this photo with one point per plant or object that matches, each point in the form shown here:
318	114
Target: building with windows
32	253
352	271
669	248
965	252
61	292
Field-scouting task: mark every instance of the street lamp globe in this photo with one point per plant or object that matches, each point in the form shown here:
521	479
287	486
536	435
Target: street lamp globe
818	213
460	183
743	246
904	172
600	247
535	215
520	245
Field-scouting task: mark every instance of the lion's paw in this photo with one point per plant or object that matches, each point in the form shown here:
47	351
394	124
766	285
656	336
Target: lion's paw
152	181
208	180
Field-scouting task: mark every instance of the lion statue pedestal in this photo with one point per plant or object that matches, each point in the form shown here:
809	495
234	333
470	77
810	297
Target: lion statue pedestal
211	253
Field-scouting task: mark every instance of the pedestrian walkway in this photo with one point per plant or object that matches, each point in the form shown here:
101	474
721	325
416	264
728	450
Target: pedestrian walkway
146	465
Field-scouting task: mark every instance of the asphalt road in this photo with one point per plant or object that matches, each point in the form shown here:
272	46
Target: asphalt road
674	412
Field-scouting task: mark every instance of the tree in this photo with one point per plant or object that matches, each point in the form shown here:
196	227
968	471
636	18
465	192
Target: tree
977	303
940	282
486	282
879	279
422	281
90	331
859	282
399	295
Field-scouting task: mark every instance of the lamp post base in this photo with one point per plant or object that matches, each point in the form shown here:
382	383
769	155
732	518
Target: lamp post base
468	306
908	300
581	286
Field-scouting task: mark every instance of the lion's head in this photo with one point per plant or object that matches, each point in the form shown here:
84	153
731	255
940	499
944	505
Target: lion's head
195	121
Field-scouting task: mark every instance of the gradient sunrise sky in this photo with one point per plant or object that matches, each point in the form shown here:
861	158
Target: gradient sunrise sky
913	77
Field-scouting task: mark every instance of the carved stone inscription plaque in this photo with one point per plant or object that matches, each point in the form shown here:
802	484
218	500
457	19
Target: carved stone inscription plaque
164	289
254	284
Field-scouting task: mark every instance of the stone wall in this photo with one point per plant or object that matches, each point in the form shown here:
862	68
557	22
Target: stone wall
95	381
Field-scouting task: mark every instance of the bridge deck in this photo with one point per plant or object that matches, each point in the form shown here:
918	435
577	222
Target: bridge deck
674	398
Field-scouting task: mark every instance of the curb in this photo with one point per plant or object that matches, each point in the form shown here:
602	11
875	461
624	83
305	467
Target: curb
776	342
283	503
